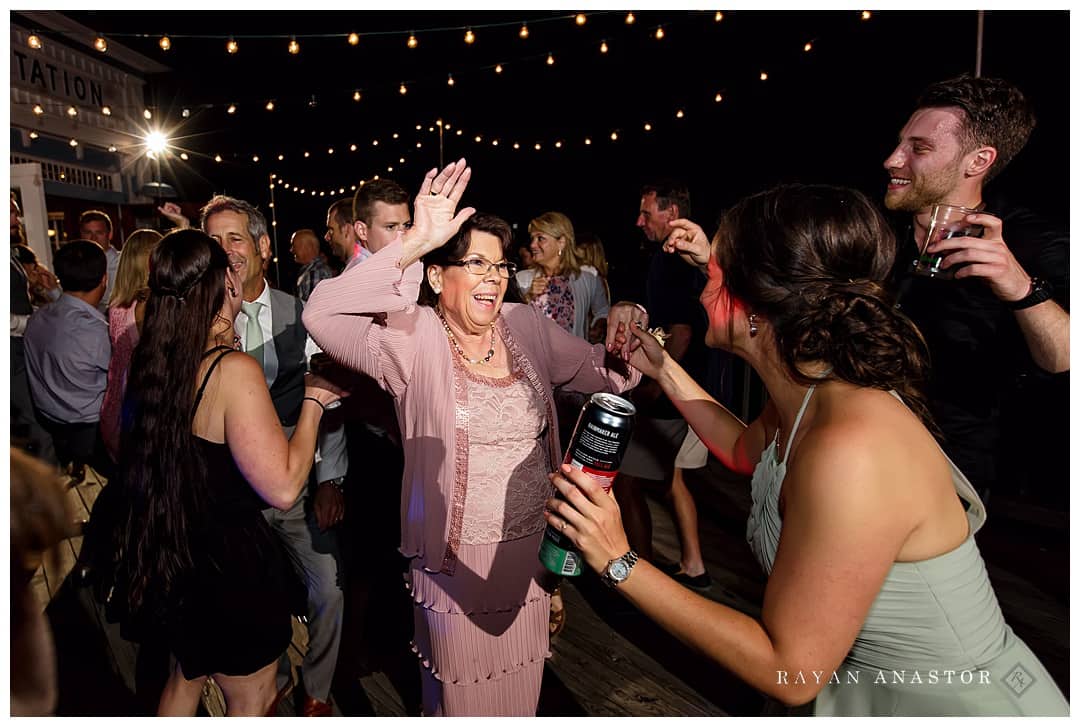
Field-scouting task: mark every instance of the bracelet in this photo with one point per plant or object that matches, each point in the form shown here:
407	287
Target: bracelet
641	308
338	483
321	405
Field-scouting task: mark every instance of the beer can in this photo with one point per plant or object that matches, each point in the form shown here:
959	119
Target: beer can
596	447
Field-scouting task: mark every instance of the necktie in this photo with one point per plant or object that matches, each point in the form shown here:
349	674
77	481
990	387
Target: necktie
253	335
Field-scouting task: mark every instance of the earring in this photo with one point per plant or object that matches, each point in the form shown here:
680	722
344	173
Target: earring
753	325
232	291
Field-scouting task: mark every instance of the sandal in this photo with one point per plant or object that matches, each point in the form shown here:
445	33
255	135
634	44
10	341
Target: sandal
557	618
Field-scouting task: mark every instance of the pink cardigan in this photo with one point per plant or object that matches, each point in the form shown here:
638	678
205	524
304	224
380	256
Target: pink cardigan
368	319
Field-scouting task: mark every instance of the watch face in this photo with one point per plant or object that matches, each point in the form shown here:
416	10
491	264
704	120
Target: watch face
619	570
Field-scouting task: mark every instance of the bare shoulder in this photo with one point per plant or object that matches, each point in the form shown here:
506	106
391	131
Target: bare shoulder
238	368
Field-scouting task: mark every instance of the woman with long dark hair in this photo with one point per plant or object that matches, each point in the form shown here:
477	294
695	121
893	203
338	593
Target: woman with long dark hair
202	450
877	601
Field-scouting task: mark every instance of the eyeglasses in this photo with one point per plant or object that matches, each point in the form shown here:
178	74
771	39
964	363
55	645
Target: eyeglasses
478	266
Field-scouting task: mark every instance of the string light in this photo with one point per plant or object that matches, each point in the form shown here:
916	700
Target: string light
72	111
558	145
100	44
38	110
73	143
524	32
477	139
648	127
294	47
352	147
34	135
498	68
307	154
255	158
106	111
232	46
330	150
396	135
866	14
550	60
659	32
34	41
536	146
614	136
354	38
764	76
217	158
281	157
270	105
718	17
580	19
112	147
808	47
588	141
356	95
165	42
603	46
517	145
449	79
412	42
629	18
184	155
494	142
470	37
231	109
147	114
718	98
186	113
403	90
374	142
679	114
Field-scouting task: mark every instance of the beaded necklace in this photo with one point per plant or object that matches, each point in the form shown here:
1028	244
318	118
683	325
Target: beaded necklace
457	346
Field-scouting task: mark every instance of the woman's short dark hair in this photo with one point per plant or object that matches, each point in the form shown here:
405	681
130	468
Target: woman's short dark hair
457	247
814	260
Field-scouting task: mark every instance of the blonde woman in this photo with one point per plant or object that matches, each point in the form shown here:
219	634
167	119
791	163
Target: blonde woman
126	307
569	293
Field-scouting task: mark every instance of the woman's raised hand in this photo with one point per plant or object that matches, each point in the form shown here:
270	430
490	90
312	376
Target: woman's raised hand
689	241
434	218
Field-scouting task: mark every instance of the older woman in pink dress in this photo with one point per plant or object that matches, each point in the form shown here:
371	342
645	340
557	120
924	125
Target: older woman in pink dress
472	377
129	295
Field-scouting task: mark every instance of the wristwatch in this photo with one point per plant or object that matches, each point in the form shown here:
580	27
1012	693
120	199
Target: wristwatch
618	569
1039	292
338	483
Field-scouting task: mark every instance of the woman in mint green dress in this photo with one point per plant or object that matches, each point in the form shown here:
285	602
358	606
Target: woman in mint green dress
877	601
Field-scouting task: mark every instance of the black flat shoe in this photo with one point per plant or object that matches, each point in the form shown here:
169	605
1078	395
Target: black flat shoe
700	582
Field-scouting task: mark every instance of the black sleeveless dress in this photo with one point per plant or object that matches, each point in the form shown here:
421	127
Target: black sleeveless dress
233	614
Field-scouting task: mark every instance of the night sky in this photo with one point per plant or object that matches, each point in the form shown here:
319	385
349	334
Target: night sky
828	115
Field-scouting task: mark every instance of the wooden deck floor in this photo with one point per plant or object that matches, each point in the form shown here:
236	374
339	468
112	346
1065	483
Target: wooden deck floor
609	661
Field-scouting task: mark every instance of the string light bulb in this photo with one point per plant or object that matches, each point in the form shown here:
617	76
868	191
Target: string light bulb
330	150
73	143
718	17
764	76
588	141
524	32
580	18
294	47
356	95
232	46
184	155
33	135
603	46
38	110
72	111
231	109
866	14
34	41
659	32
808	47
112	148
550	60
536	146
679	114
470	37
517	145
354	38
719	98
352	147
147	114
498	68
402	89
449	79
281	157
630	18
270	105
217	158
412	42
100	44
106	111
165	43
648	127
558	145
614	136
186	113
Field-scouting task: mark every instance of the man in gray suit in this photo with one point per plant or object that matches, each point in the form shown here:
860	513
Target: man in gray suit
271	330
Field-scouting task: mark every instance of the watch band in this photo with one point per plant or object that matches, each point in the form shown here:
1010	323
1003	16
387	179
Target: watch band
1039	292
630	558
338	483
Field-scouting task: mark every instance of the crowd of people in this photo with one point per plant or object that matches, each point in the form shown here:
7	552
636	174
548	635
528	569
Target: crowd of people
430	363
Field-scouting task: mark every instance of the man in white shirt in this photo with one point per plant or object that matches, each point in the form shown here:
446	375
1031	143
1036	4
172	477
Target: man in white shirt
96	226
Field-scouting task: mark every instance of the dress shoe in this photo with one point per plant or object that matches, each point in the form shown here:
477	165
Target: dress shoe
314	708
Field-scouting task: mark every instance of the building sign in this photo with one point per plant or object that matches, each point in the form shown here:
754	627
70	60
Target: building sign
55	79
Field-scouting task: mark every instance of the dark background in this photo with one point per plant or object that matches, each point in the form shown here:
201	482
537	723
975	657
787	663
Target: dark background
830	115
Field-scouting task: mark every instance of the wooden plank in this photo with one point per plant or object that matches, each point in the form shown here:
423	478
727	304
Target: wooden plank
382	695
